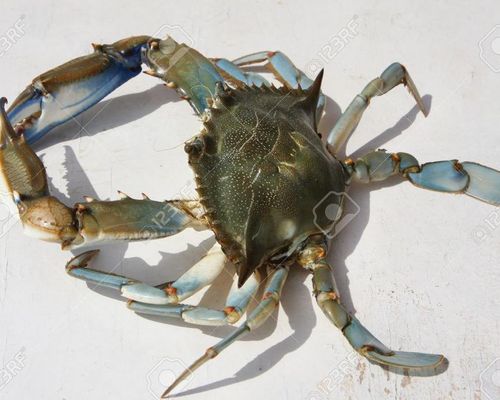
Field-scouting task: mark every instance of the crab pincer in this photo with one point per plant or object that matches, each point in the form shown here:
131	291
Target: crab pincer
62	93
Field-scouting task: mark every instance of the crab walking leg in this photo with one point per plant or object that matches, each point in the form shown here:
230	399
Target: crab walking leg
201	274
184	69
313	258
236	304
45	217
470	178
257	317
394	75
62	93
285	71
232	73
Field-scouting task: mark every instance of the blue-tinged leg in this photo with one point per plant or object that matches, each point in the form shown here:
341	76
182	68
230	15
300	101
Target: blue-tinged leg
71	88
449	176
394	75
313	258
197	277
184	69
257	317
232	73
236	304
285	71
164	300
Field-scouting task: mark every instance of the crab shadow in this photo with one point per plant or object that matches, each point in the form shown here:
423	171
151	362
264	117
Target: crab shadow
297	301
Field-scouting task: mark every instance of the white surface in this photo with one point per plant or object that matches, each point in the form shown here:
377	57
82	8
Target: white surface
408	262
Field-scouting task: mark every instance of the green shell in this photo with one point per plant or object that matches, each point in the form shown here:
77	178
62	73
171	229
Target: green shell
263	174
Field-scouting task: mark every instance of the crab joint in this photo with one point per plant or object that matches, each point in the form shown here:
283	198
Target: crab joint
171	291
233	314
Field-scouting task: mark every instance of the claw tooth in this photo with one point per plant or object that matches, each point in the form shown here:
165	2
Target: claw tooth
97	46
171	85
123	195
88	199
145	197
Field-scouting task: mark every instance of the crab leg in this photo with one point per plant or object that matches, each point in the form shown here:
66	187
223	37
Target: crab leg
285	71
313	258
163	300
232	73
184	69
62	93
450	176
197	277
236	304
257	317
45	217
394	75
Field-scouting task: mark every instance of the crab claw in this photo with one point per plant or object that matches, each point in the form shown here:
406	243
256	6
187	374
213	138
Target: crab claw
25	180
64	92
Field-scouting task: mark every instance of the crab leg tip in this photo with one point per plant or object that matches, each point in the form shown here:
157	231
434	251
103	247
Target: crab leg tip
81	260
188	371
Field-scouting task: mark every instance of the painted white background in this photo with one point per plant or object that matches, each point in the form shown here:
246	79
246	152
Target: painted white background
419	268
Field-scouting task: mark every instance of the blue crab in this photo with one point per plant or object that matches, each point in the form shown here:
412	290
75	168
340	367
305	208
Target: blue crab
262	172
